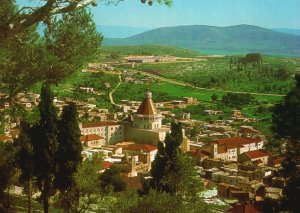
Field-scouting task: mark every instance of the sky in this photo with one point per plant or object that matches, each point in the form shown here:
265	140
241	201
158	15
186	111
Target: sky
263	13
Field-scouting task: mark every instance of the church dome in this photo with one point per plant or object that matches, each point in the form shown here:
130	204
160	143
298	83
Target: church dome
147	106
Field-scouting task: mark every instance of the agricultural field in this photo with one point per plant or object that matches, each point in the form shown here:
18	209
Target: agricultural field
69	87
273	75
119	51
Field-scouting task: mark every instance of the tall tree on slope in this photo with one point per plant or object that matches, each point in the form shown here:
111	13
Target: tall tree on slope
68	156
286	126
44	138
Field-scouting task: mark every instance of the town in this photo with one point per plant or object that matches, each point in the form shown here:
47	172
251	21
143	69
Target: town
149	106
231	159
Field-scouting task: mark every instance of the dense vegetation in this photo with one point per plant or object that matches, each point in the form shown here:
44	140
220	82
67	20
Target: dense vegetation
118	51
286	128
273	75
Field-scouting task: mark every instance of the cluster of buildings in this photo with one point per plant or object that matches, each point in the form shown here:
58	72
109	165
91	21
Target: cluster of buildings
150	59
232	158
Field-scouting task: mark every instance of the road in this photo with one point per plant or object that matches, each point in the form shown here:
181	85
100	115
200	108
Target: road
180	83
111	98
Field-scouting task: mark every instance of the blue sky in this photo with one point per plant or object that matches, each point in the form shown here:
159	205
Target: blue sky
264	13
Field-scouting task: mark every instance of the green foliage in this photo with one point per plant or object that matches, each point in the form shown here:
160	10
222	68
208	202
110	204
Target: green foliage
25	159
237	99
8	169
173	171
215	73
72	41
286	126
214	97
45	145
254	58
111	180
149	50
26	59
68	156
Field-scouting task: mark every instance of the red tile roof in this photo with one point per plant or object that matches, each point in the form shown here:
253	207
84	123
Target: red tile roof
99	124
248	131
242	208
257	154
277	161
235	142
140	147
147	108
106	165
91	137
5	138
197	153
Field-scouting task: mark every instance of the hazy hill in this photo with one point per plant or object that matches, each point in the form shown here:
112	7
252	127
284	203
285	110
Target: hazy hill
209	39
289	31
151	50
120	31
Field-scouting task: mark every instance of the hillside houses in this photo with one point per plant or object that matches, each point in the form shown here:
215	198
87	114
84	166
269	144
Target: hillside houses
112	132
228	149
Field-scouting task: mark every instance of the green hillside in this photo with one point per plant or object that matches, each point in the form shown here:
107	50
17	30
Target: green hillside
208	39
150	50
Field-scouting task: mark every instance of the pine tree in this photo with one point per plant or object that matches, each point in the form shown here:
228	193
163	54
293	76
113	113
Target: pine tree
44	138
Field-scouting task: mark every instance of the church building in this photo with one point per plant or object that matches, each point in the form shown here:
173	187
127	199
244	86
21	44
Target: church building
146	126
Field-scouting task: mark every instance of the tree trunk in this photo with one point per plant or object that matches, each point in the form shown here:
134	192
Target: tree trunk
46	203
29	195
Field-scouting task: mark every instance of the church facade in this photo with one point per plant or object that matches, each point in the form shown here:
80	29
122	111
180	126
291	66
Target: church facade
145	128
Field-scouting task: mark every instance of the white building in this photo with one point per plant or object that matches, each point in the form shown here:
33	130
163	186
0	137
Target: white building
228	149
112	132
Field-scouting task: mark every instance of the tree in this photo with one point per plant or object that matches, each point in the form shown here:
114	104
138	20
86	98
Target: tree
26	58
45	145
85	192
173	171
8	170
27	16
111	180
237	99
24	159
214	98
68	156
286	126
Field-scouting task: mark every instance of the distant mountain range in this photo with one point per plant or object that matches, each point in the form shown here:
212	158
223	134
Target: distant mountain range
237	39
120	31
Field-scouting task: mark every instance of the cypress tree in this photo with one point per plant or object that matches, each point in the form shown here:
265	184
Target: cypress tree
286	126
172	170
68	156
25	159
44	138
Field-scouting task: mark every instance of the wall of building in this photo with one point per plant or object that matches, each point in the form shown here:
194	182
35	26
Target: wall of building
144	136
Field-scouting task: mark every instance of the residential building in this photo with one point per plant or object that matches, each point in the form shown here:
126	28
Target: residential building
228	149
92	140
112	132
260	156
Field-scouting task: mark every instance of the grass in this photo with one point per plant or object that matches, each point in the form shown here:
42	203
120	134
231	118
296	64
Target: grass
218	74
69	87
163	91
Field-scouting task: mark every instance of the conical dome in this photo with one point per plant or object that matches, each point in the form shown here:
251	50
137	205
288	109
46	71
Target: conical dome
147	106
